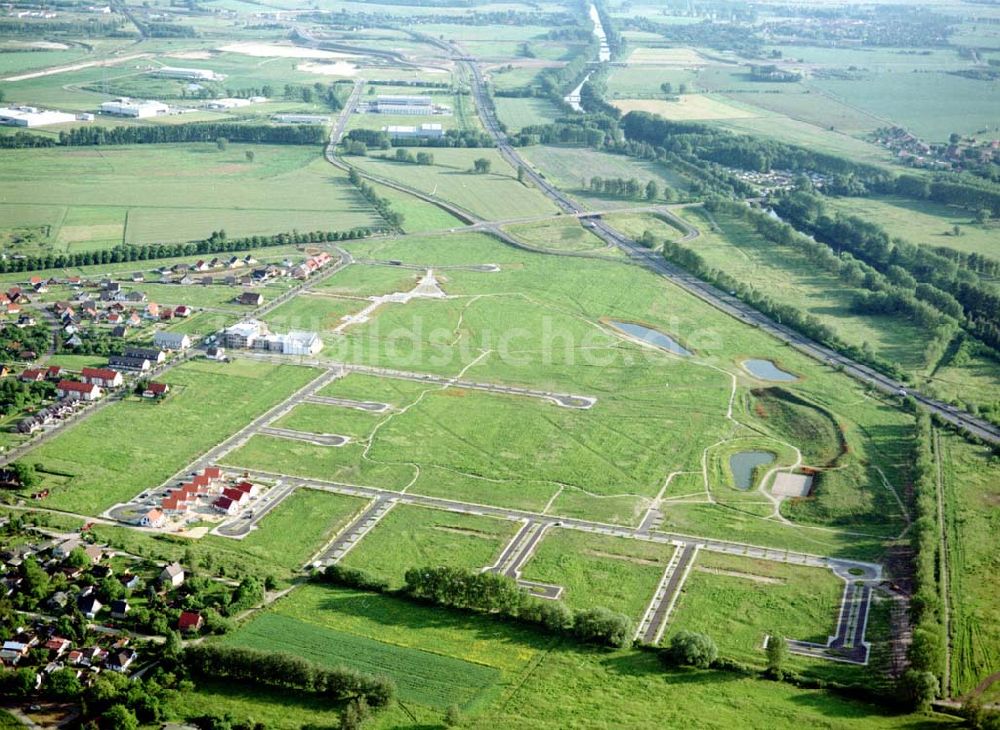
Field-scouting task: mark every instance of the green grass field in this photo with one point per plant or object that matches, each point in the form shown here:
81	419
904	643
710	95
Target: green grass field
423	677
319	418
134	445
562	234
971	490
494	195
738	601
414	537
596	570
517	113
99	197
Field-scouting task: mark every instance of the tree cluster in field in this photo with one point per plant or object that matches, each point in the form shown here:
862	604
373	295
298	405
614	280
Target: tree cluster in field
299	134
693	140
421	158
168	30
621	188
393	218
16	395
499	595
216	243
286	672
15	340
453	138
329	94
955	290
964	190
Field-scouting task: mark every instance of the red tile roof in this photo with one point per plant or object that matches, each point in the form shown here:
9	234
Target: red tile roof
213	472
189	620
76	386
234	494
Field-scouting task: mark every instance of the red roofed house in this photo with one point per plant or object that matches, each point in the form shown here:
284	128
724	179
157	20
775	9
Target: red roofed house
75	390
213	472
189	621
236	495
32	375
226	506
173	503
105	377
182	311
58	644
155	390
53	372
247	488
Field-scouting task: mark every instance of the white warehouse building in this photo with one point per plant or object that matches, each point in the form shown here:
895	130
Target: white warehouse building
432	131
138	108
189	74
255	335
399	104
29	116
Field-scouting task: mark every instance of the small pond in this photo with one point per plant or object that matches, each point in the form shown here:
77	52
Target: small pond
743	464
767	370
653	337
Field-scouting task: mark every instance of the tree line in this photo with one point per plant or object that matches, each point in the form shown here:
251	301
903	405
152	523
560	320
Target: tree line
499	595
299	134
786	314
392	217
286	672
870	243
216	243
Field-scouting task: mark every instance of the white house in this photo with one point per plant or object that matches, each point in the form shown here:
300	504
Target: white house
172	340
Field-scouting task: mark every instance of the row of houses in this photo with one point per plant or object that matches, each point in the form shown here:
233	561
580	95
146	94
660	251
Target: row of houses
208	488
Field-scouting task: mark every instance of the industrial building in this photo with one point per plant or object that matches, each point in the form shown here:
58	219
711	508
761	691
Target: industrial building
430	131
223	104
254	335
138	108
188	74
403	105
29	116
301	119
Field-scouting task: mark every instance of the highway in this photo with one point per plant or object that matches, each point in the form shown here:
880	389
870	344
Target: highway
710	294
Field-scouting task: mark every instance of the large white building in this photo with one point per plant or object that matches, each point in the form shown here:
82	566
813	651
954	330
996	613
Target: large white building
138	108
188	74
432	131
254	335
405	105
301	118
223	104
29	116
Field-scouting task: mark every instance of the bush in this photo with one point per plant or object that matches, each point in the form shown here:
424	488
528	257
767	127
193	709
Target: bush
352	578
692	649
604	626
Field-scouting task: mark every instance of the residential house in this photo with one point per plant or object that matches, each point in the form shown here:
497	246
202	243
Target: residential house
75	390
172	575
119	608
89	606
226	506
119	331
155	390
253	299
182	311
153	518
138	277
189	621
58	645
64	548
32	375
53	373
236	495
58	601
120	661
154	354
104	377
247	488
172	340
124	362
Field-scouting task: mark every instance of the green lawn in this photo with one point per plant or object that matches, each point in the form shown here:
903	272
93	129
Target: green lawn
135	445
414	537
321	418
518	112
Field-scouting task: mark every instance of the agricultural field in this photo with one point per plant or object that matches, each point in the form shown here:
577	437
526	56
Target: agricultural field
687	108
517	113
93	198
99	463
491	195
